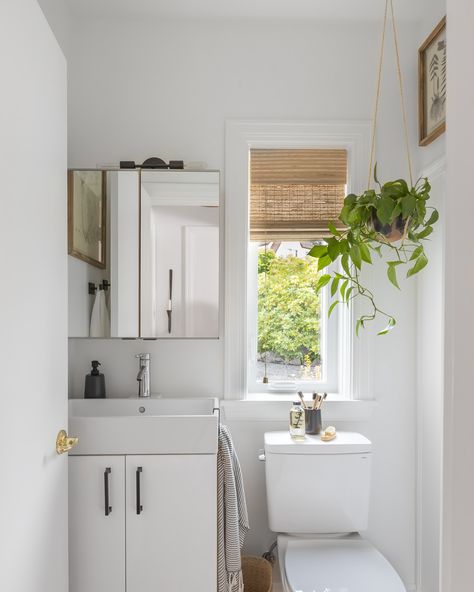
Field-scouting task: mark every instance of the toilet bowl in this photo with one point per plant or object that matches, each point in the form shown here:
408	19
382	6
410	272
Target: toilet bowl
318	500
346	564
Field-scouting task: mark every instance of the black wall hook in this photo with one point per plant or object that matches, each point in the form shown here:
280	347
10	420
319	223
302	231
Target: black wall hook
104	285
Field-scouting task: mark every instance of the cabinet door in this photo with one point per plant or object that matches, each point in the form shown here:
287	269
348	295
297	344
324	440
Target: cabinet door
171	524
96	528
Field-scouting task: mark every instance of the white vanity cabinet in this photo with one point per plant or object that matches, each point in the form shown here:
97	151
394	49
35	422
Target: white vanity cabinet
171	539
97	524
160	534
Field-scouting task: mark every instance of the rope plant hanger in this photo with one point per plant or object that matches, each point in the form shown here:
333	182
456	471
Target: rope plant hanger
391	221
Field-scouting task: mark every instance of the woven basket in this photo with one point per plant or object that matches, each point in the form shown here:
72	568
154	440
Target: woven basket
257	573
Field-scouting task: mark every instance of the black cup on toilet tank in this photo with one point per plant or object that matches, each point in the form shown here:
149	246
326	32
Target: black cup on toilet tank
312	421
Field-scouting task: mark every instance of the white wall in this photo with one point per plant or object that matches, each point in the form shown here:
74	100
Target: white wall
430	355
458	478
432	12
139	89
59	18
430	377
33	302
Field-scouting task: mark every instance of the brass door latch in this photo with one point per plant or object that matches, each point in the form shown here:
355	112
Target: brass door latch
64	443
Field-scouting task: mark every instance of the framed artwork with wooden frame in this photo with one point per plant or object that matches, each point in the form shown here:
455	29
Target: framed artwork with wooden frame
432	85
87	215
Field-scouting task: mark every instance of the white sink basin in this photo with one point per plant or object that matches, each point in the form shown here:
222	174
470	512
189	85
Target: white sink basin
144	426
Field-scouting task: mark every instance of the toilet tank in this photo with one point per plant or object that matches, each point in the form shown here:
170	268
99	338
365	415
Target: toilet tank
315	486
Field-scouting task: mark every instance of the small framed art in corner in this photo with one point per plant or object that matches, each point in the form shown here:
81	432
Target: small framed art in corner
87	214
432	85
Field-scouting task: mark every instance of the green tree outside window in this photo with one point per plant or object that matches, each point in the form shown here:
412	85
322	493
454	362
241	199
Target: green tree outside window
288	308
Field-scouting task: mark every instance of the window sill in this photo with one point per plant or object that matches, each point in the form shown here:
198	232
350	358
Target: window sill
271	407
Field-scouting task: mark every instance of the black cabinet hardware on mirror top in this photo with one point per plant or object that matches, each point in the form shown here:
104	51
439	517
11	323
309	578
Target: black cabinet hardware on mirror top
152	163
108	507
139	506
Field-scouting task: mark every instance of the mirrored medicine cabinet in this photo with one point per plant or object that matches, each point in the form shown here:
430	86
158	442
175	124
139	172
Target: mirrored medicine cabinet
143	253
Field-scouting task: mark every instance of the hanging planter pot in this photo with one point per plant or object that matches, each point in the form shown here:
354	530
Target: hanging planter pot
391	221
394	232
374	226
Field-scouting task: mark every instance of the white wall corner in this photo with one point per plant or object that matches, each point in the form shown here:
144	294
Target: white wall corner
433	171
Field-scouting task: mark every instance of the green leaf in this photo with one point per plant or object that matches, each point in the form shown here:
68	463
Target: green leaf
395	189
323	281
332	307
421	209
324	262
333	248
350	199
348	293
354	217
343	289
355	256
318	251
416	253
421	262
334	285
433	218
375	174
359	324
391	324
408	205
333	230
385	208
424	233
425	186
344	215
392	272
345	264
365	253
397	210
344	246
378	250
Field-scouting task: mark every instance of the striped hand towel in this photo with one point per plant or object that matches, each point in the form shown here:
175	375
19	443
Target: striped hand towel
232	518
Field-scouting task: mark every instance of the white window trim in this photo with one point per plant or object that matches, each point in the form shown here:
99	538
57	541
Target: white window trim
240	137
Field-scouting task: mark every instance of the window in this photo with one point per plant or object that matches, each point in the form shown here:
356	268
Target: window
293	196
242	137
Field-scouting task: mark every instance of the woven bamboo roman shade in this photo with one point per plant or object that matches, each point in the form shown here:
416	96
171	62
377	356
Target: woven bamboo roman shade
295	193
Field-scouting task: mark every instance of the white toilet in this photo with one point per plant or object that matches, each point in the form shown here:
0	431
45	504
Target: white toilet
318	500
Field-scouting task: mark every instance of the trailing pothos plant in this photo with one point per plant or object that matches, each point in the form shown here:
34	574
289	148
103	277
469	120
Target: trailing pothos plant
391	222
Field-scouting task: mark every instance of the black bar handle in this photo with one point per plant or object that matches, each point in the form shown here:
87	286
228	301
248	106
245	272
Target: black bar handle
139	506
108	507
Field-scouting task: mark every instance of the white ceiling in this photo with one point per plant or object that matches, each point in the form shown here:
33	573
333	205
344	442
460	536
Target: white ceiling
329	10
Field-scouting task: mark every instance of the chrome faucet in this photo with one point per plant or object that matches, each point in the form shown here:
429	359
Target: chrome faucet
143	376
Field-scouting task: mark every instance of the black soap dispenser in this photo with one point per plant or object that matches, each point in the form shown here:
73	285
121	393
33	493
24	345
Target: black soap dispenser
95	383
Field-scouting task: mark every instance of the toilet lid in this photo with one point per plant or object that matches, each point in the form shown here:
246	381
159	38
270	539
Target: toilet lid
340	565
